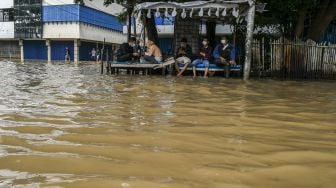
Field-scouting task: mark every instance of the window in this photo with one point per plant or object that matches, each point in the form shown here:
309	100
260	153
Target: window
28	18
6	15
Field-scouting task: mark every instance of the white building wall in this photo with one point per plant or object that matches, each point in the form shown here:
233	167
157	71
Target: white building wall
69	30
88	32
6	30
57	2
6	4
82	32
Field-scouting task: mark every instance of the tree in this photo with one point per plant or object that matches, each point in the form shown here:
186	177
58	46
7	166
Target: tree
290	15
325	15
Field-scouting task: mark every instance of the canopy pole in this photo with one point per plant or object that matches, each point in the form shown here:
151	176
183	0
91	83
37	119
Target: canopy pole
249	40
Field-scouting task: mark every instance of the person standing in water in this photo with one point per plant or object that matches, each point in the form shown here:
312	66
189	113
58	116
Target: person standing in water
67	55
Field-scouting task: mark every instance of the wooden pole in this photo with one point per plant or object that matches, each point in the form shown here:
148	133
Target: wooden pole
101	58
129	26
249	40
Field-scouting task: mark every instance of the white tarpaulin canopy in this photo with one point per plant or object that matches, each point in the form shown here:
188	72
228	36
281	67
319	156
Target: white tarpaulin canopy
198	8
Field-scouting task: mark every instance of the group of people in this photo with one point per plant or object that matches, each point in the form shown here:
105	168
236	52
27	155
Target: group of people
132	51
95	55
223	55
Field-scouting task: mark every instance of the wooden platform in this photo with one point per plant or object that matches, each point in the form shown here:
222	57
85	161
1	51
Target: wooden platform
139	68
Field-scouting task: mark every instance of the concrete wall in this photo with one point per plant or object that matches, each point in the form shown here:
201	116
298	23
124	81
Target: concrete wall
6	30
72	30
69	30
6	4
89	32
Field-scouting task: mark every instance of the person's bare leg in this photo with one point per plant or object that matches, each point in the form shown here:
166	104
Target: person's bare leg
206	72
194	71
183	69
177	68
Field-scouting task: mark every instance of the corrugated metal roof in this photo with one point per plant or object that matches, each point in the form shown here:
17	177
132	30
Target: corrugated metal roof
77	13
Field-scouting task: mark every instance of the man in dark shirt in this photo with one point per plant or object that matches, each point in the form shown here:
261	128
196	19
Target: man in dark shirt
224	55
203	57
126	51
183	56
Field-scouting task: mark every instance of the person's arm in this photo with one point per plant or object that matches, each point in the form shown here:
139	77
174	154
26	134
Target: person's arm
208	53
233	54
199	54
150	51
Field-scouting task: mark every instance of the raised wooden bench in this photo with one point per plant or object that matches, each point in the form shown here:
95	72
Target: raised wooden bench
214	68
134	67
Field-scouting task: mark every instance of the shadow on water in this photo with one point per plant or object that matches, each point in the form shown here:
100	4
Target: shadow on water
63	125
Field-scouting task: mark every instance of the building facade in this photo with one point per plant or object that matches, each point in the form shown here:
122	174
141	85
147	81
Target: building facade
43	29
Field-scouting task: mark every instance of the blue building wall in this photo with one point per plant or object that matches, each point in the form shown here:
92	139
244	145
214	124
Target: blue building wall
78	13
85	50
164	21
35	49
63	13
86	47
58	50
166	46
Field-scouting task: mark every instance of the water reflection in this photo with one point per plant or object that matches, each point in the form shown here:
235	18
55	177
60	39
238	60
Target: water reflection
69	126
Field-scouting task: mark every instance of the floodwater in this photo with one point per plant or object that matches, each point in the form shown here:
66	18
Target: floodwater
69	126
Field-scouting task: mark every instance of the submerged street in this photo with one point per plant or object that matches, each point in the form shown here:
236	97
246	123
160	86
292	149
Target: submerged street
63	125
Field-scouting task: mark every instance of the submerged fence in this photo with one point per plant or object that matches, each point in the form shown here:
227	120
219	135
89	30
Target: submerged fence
10	53
293	60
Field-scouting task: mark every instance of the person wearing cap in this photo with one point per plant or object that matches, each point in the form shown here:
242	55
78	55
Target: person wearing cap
183	56
153	55
204	56
224	55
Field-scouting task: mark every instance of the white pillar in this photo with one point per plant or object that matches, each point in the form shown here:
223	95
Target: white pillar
76	50
48	44
21	50
249	40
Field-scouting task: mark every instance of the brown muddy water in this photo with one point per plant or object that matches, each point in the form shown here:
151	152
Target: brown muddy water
68	126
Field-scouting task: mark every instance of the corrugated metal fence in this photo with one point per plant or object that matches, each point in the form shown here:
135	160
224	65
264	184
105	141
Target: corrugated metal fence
293	60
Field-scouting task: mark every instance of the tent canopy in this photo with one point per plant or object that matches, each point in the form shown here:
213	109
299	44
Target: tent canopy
207	9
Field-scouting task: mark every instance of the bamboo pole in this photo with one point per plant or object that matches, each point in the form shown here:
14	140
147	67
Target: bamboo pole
249	40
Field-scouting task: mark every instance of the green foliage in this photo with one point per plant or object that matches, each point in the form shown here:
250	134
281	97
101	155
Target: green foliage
284	14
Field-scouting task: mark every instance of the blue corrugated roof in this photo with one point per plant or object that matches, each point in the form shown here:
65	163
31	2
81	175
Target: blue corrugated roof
75	12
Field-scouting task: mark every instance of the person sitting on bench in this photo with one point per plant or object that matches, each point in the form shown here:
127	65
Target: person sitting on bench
183	55
203	57
126	51
153	55
224	55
